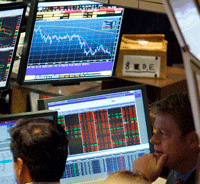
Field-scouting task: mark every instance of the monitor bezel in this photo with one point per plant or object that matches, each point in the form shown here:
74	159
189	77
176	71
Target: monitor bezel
192	67
27	45
181	40
29	115
11	6
43	103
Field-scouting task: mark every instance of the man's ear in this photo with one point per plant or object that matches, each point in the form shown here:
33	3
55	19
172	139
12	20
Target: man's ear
20	165
193	140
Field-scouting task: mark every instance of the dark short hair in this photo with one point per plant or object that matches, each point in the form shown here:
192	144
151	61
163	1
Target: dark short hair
42	144
179	108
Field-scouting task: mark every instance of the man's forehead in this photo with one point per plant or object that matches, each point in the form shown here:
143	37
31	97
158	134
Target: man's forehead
165	121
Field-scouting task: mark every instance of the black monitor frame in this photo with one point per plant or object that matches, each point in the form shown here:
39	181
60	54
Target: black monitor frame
100	117
43	103
12	6
191	62
27	47
36	114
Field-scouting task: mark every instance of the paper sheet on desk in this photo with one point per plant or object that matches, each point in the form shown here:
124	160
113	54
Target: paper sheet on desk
159	181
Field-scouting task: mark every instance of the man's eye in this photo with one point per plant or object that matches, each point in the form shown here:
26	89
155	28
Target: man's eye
162	132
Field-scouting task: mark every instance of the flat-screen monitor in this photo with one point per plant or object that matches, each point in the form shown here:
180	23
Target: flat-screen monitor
11	16
184	16
6	123
185	20
70	41
108	130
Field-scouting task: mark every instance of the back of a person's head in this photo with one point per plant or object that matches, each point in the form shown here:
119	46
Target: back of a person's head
122	177
43	146
179	108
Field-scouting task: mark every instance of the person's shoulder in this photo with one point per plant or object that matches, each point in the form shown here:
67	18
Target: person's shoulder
124	176
193	179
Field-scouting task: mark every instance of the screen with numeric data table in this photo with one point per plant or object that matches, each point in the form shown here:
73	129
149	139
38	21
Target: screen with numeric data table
107	130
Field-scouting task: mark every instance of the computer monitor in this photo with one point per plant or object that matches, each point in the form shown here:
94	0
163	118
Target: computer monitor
70	41
185	21
108	130
184	16
7	122
11	16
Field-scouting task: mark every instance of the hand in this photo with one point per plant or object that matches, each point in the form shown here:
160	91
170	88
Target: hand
148	166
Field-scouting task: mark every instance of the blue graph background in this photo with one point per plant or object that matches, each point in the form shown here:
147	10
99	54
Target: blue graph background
73	40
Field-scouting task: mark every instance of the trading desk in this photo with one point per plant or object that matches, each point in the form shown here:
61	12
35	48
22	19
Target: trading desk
20	95
175	82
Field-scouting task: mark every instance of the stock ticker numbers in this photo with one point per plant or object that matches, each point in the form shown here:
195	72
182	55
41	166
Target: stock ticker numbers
5	59
101	129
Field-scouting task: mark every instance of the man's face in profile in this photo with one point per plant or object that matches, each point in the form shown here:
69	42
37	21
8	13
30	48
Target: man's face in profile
167	139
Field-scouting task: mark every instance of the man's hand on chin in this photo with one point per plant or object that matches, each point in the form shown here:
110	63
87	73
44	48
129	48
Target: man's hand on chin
148	166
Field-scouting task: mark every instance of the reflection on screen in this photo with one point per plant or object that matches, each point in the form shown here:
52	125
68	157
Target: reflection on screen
107	132
6	165
187	16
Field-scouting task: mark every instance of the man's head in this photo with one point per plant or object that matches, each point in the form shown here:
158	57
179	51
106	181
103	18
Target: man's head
39	148
124	176
175	132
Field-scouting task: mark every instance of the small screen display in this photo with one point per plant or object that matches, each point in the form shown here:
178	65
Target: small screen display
6	162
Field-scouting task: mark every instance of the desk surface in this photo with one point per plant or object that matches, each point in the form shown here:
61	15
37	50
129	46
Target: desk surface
173	75
157	88
50	90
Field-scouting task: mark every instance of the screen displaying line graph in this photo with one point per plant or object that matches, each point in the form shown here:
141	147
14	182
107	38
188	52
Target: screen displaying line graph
10	22
73	40
8	32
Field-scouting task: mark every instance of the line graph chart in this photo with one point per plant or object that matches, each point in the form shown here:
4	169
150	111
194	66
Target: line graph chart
73	40
8	31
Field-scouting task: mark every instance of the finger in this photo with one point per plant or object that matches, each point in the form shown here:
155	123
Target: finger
162	161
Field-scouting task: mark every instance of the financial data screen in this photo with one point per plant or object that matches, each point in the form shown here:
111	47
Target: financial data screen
6	161
188	19
10	21
106	133
74	40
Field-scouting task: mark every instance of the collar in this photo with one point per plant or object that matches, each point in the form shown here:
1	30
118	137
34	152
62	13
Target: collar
185	177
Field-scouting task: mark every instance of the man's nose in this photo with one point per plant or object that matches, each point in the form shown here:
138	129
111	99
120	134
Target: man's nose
155	139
